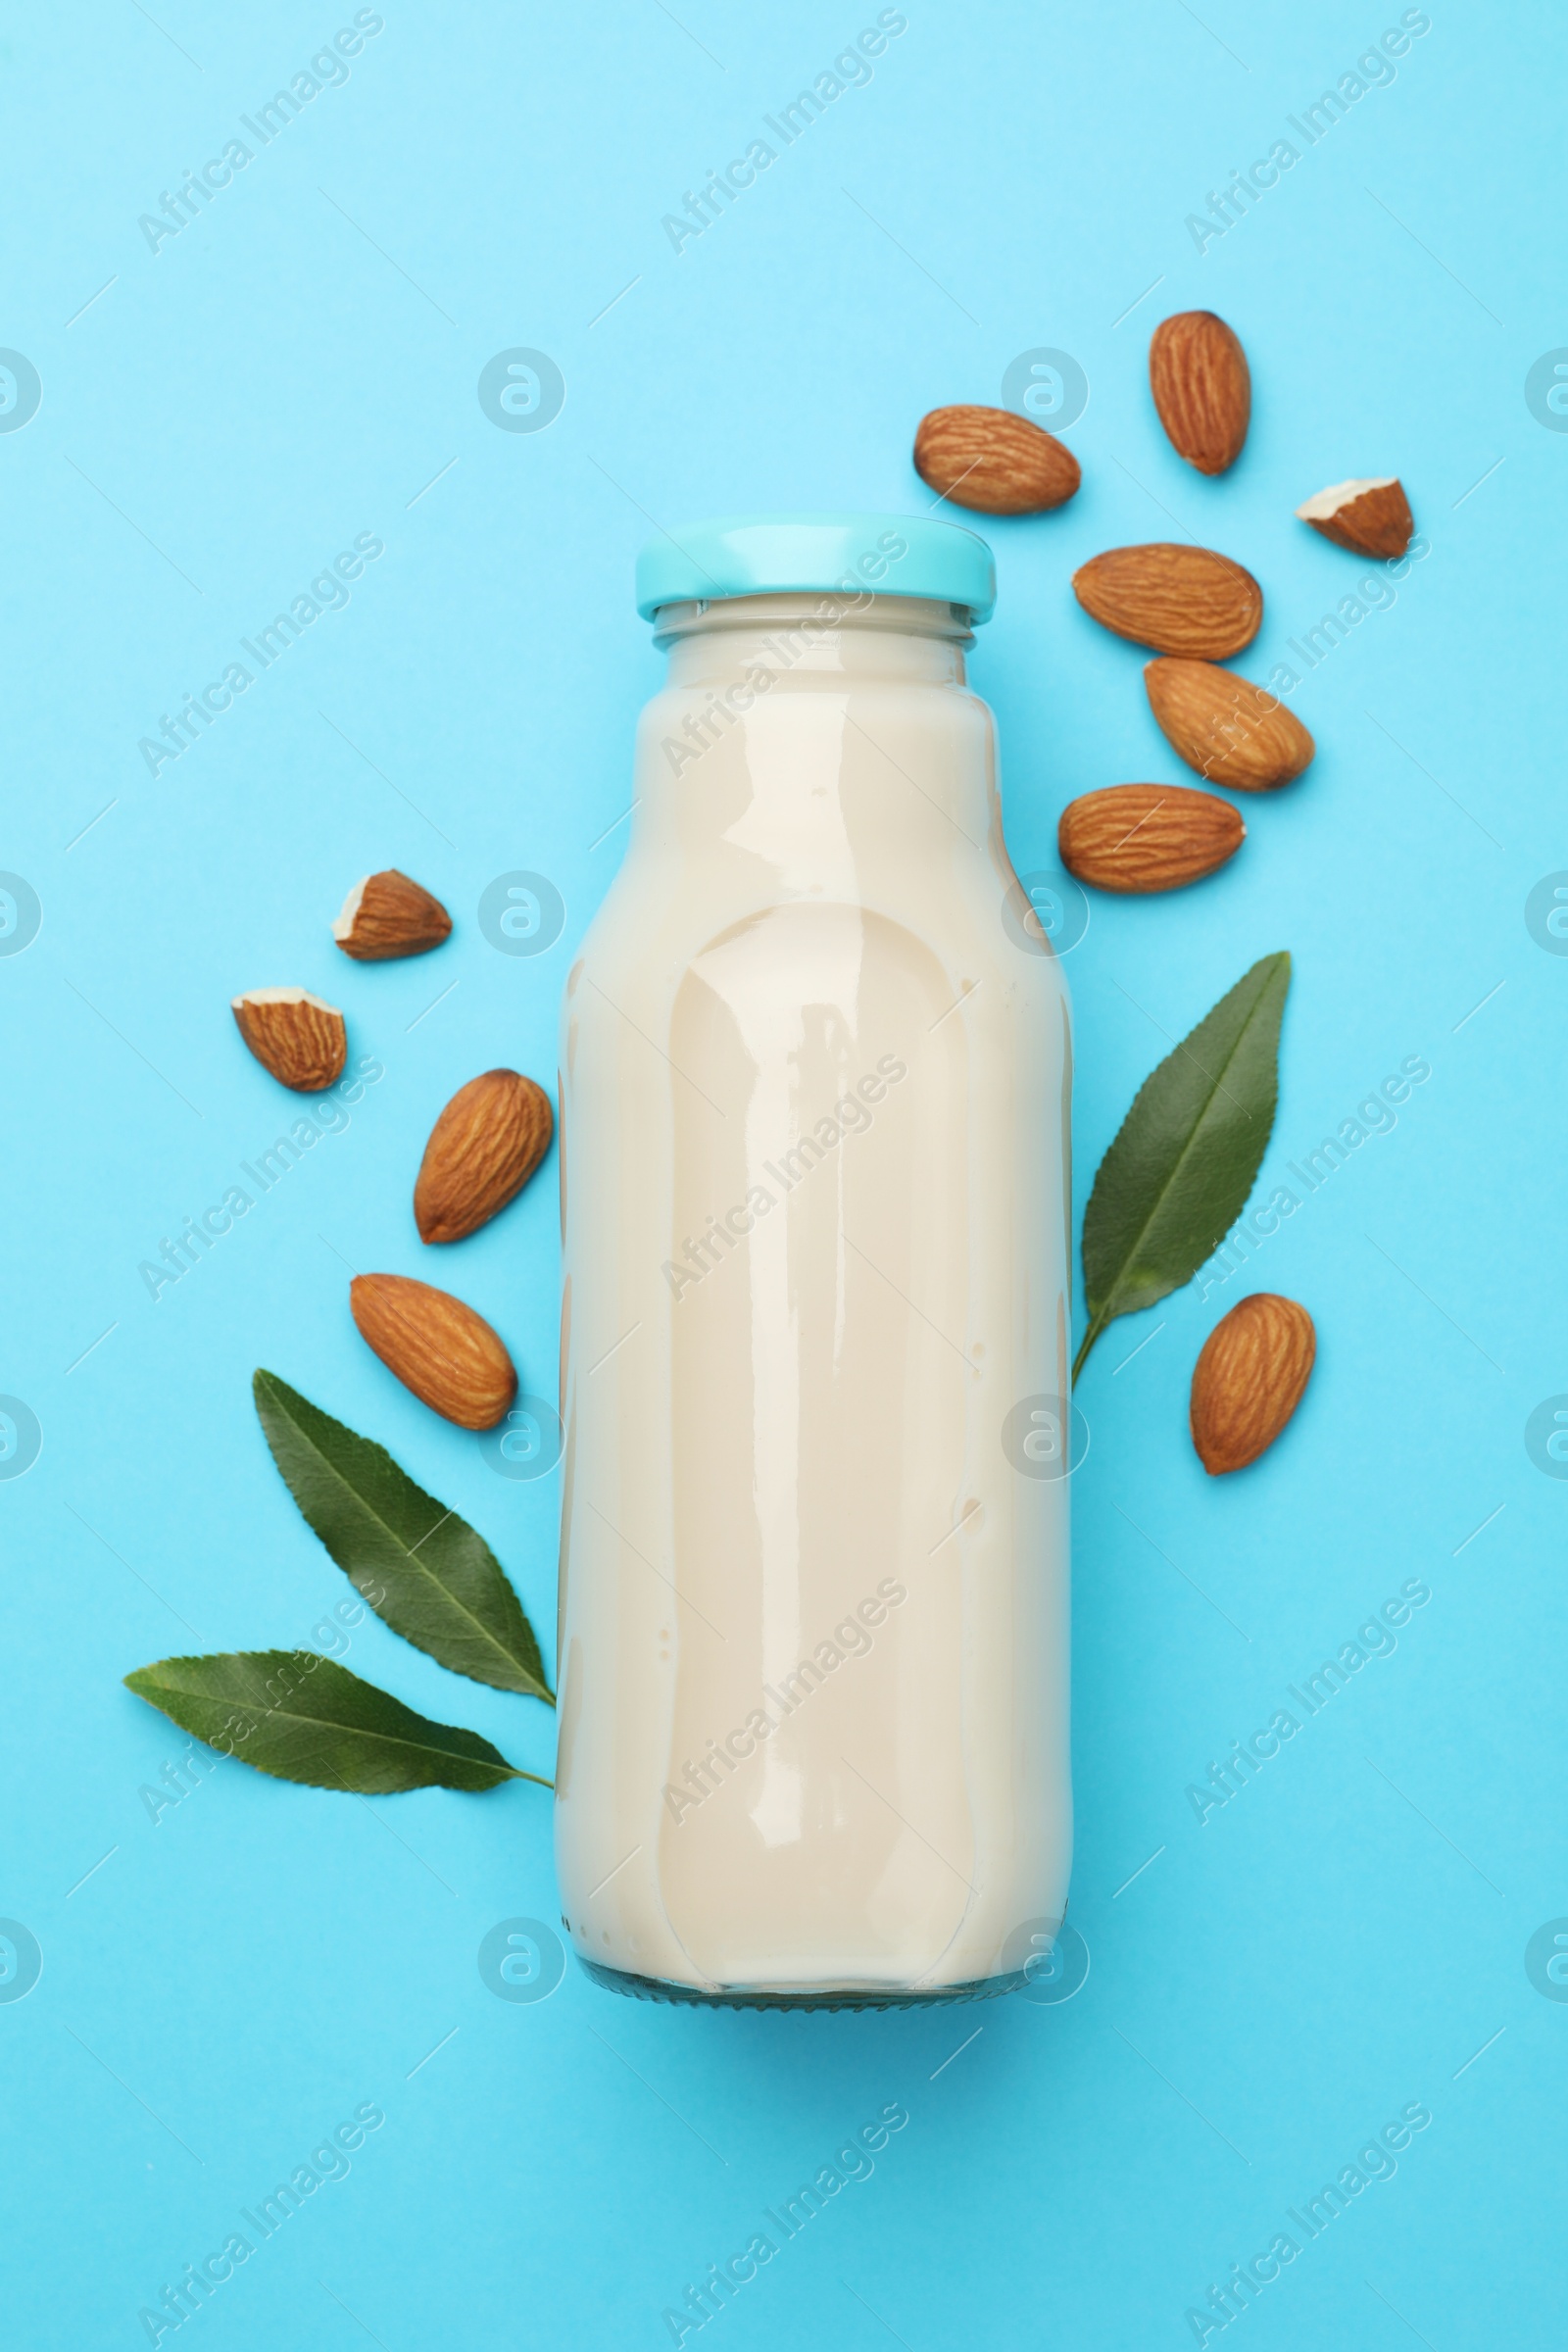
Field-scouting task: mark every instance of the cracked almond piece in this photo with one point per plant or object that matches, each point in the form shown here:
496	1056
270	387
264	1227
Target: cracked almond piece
300	1039
482	1151
437	1346
1141	838
1249	1380
1202	388
1233	732
994	462
1370	517
386	915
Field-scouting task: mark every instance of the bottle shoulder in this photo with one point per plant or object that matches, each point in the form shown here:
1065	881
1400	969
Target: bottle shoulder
969	949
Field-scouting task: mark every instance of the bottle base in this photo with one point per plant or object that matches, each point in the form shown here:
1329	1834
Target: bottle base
824	1996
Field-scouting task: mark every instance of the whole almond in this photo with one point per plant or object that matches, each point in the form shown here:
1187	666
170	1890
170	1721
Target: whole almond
992	461
1370	517
1230	730
296	1036
386	915
1180	600
1138	838
1249	1380
1202	388
482	1151
440	1348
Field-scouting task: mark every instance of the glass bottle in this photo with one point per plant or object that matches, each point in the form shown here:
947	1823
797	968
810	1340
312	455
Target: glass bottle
814	1092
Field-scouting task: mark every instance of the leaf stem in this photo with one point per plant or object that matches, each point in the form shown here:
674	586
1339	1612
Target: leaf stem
1095	1327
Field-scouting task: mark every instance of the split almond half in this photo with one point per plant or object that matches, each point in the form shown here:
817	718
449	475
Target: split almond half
1250	1379
482	1151
440	1348
1179	600
1202	388
992	461
1141	838
296	1036
386	915
1230	730
1369	517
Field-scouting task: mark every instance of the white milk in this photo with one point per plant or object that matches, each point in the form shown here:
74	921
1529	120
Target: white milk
814	1094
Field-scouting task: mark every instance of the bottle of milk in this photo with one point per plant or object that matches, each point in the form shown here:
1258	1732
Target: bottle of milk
814	1090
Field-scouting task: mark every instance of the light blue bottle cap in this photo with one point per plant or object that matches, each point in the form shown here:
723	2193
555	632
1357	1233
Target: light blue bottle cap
761	555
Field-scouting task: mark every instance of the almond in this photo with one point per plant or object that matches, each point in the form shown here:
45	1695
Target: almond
1180	600
1249	1380
1369	517
1230	730
1198	376
994	460
1138	838
440	1348
386	916
296	1036
482	1151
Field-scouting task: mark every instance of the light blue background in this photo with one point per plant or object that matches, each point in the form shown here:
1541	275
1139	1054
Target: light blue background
295	369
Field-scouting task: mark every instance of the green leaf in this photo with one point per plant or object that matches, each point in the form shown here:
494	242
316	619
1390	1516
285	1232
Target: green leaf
305	1718
434	1580
1177	1176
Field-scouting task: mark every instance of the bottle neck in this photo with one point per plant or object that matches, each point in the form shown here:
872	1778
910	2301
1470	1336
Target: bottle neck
817	636
830	745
